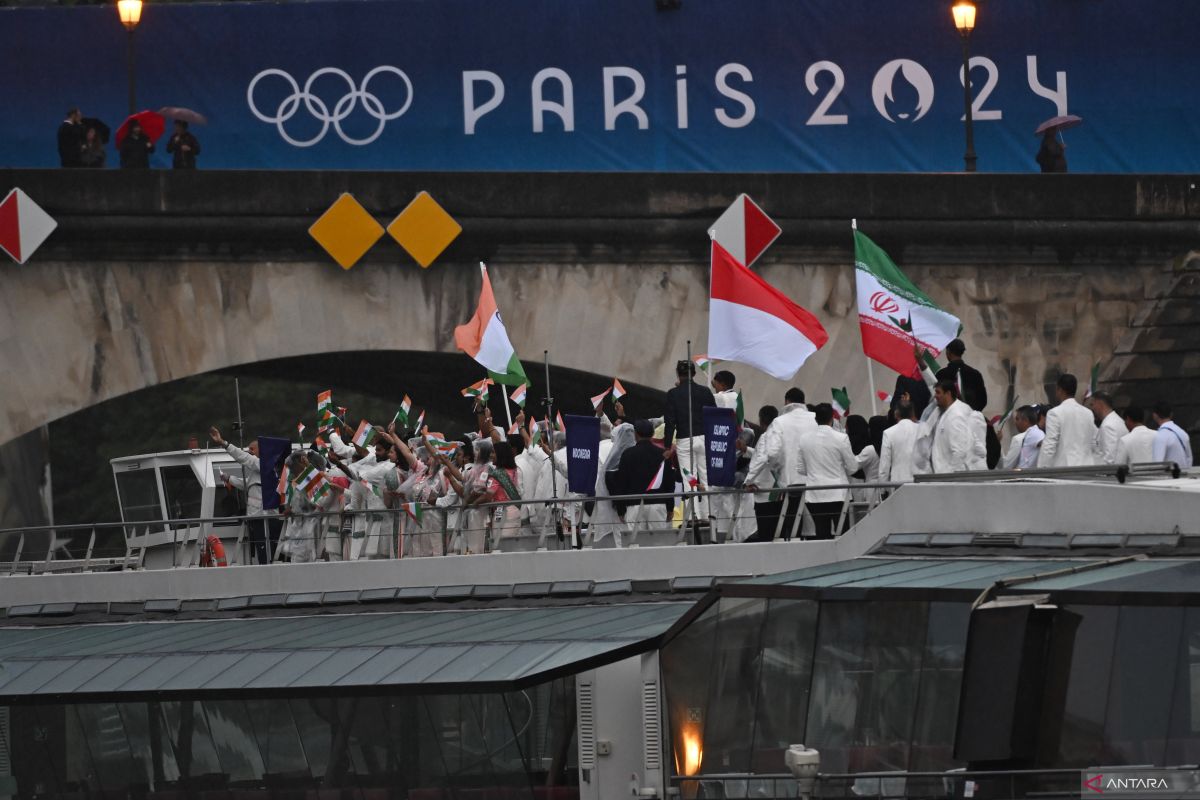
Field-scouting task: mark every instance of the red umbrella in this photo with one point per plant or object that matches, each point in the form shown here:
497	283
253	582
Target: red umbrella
1059	123
184	115
152	122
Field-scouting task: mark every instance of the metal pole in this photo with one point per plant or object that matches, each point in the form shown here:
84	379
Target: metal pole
969	157
555	511
132	75
871	380
691	444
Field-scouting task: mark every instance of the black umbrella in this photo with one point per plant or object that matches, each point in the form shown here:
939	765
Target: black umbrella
102	130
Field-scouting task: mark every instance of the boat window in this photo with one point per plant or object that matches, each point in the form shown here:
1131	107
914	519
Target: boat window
139	496
227	503
183	492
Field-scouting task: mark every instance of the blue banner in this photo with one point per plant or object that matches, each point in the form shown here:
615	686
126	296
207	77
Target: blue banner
715	85
272	452
720	445
583	453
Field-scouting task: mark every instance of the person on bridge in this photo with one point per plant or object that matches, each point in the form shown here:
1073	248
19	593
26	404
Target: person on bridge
685	443
1136	446
1070	429
136	148
776	461
264	528
825	457
1171	443
1112	427
183	146
70	139
969	379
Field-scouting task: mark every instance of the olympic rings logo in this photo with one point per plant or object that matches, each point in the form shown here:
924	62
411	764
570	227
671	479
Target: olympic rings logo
344	107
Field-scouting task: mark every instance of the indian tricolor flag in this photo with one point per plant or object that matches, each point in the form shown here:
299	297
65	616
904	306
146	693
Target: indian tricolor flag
518	395
479	390
618	391
485	339
893	314
365	434
751	321
325	400
598	400
312	482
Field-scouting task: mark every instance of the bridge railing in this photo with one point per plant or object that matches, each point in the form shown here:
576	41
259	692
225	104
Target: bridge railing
447	527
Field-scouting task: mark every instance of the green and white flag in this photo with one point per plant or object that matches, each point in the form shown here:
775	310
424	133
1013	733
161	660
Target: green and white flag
841	402
894	315
1093	381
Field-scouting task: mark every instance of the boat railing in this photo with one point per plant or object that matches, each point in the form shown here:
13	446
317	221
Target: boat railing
953	783
415	530
1121	473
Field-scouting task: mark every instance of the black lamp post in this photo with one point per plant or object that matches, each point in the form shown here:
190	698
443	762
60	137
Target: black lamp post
130	12
964	21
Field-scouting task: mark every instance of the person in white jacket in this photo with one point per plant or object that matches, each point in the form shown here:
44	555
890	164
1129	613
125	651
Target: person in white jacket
952	439
777	454
895	456
825	456
1136	446
1112	427
1070	429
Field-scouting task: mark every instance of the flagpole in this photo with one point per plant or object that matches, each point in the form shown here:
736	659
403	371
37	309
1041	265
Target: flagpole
871	378
507	410
691	443
555	514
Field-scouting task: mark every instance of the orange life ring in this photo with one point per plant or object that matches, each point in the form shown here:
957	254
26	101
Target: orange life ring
213	554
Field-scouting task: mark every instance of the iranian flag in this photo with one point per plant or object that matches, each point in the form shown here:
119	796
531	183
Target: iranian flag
656	482
485	339
751	321
841	402
893	314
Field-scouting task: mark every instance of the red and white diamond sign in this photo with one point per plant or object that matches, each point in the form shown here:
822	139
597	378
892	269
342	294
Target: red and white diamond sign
23	226
744	230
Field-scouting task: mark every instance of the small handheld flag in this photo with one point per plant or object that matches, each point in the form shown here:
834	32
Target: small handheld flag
420	421
740	409
300	429
518	395
402	412
478	390
325	399
365	434
1094	381
702	362
598	400
841	402
535	431
313	483
413	510
562	426
656	482
618	391
884	397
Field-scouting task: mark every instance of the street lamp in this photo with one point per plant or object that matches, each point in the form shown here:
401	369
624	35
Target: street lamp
130	12
964	21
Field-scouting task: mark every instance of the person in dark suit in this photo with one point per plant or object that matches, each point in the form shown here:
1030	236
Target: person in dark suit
136	149
70	139
918	394
957	371
184	147
636	473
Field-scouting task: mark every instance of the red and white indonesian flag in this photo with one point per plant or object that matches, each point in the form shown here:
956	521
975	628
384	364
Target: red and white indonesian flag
486	340
893	314
23	226
744	230
751	321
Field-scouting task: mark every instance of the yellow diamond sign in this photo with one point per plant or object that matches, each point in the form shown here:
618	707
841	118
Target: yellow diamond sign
424	229
346	231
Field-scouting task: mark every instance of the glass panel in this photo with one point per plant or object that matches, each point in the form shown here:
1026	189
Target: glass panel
729	721
1143	676
940	683
685	663
788	639
1086	675
1183	747
865	679
234	739
139	496
183	492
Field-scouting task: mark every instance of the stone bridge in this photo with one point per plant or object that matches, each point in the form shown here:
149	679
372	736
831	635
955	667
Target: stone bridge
156	276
